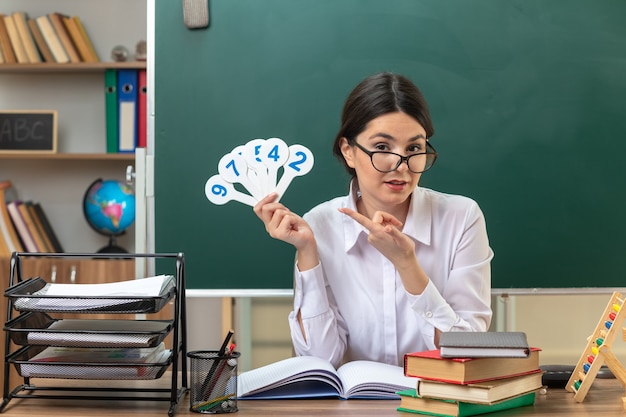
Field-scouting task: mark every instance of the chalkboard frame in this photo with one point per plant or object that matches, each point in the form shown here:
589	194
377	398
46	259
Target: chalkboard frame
49	140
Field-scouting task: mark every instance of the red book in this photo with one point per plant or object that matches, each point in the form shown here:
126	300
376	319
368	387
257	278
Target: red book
142	110
430	365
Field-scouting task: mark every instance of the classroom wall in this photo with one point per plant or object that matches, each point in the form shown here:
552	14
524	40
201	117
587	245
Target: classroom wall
558	324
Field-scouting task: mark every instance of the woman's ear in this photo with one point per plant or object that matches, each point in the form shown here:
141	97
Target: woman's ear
347	151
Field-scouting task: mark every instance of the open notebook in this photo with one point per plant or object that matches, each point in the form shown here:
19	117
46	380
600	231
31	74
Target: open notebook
310	377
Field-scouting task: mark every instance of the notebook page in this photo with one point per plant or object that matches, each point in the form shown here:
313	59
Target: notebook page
290	369
374	378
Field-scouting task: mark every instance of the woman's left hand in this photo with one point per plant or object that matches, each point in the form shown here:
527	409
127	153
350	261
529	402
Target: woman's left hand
385	234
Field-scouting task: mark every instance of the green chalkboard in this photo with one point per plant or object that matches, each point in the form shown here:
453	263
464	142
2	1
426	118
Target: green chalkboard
528	99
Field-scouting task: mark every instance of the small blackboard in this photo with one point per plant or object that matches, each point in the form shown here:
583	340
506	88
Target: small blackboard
28	131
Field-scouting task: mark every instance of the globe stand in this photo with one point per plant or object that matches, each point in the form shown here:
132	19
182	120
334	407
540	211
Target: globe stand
112	247
109	208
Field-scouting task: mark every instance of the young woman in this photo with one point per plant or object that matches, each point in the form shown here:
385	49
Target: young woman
384	270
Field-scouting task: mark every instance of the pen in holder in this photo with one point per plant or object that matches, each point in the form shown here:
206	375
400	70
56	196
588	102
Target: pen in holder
213	381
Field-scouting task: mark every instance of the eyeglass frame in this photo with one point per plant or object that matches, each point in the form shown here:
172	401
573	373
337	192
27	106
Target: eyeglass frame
402	157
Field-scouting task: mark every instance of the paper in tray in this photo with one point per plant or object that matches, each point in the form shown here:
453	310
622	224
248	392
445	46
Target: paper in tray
26	367
36	295
36	328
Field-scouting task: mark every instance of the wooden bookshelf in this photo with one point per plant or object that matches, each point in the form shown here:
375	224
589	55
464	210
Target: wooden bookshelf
69	156
47	67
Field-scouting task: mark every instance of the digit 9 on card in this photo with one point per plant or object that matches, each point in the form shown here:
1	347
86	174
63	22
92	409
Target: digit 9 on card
260	167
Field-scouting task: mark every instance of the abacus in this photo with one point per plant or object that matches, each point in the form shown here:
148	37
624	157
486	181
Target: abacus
598	351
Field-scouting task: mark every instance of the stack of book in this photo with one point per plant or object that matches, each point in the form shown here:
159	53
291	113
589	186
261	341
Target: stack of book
54	37
24	226
478	383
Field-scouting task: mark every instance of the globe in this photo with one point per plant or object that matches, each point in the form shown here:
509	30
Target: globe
109	208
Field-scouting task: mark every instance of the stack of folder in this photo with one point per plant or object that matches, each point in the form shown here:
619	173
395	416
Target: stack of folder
126	109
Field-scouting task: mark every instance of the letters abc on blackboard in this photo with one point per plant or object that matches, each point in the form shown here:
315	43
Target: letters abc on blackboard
28	131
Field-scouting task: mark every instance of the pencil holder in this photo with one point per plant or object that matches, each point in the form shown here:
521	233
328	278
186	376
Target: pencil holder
213	387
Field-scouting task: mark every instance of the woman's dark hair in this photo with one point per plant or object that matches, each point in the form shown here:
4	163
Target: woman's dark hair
375	96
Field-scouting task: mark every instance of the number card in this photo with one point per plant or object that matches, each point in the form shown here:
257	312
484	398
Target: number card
257	166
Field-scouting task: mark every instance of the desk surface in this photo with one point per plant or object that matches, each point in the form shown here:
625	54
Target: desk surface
603	399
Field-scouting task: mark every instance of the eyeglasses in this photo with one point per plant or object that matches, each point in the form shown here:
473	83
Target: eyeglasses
384	161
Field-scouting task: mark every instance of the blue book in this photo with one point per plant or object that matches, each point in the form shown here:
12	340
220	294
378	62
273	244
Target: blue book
127	96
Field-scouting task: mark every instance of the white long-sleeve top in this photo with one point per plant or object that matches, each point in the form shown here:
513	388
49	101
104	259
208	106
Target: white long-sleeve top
353	304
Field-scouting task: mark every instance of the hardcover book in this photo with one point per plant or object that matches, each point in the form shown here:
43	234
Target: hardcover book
21	24
5	43
16	41
483	344
66	40
487	392
40	41
313	377
80	42
47	227
430	365
410	402
21	226
52	39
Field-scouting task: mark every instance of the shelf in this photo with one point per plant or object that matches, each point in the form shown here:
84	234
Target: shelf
70	156
77	67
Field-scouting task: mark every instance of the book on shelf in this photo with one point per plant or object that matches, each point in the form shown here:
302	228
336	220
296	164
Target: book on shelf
483	344
32	228
56	19
487	392
410	402
81	28
313	377
41	232
16	41
78	36
52	39
6	224
21	23
47	227
5	43
40	41
430	365
5	252
21	227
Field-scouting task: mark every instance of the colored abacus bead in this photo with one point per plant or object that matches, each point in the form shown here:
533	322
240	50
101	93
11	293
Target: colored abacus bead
599	341
590	358
608	324
577	384
612	316
586	367
594	350
616	307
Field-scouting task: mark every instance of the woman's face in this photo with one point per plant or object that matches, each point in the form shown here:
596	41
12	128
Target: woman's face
392	132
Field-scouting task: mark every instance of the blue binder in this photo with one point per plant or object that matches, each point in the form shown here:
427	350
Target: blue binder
127	109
